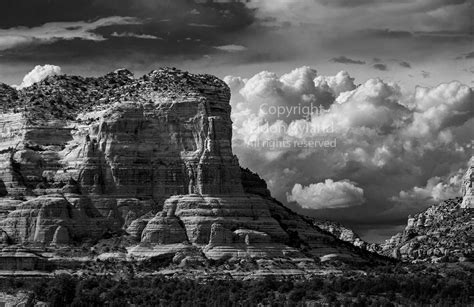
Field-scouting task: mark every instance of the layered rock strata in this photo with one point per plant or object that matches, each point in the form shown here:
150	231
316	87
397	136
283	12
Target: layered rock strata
85	157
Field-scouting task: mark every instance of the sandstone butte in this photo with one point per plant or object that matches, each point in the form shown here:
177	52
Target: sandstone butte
149	158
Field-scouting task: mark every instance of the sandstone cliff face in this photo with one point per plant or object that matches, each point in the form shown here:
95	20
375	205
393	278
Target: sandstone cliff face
82	157
123	137
125	144
444	232
467	189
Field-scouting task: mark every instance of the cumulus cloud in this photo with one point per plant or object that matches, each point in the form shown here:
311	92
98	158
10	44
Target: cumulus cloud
380	66
374	104
387	139
266	90
235	83
438	108
333	102
337	84
39	73
346	60
327	194
268	106
436	189
55	31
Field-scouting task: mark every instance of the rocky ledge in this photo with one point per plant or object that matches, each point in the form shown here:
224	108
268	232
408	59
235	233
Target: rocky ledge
145	158
345	234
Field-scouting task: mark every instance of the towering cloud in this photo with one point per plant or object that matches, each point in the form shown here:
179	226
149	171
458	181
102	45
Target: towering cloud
387	140
337	84
440	107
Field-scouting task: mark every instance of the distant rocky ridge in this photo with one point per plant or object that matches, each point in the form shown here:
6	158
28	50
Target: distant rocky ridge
443	232
146	158
345	234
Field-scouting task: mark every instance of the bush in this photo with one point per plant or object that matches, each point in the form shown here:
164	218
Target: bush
378	288
297	295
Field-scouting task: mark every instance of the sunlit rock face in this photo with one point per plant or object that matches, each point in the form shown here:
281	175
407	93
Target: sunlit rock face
345	234
467	186
147	157
166	133
116	138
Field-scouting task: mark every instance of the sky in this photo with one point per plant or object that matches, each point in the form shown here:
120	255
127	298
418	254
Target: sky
392	81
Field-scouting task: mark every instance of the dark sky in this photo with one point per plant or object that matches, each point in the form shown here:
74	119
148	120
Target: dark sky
406	43
94	36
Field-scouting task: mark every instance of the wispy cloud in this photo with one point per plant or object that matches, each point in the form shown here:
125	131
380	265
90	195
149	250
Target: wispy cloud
469	55
134	35
404	64
201	25
346	60
55	31
231	48
380	66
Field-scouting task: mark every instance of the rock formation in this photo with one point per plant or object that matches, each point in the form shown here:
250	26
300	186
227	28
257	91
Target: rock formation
467	191
444	232
345	234
85	157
